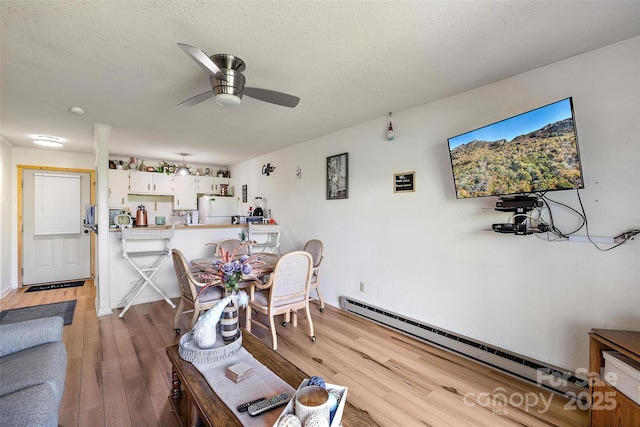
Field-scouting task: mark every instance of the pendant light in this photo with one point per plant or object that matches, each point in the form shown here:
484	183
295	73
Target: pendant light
183	170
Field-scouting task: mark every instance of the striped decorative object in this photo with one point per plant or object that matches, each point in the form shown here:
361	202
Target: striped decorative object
229	323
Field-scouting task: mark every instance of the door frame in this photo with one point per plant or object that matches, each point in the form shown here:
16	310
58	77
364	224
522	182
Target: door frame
92	189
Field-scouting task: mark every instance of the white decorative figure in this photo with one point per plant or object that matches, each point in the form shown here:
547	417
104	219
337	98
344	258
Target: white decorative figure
204	332
390	134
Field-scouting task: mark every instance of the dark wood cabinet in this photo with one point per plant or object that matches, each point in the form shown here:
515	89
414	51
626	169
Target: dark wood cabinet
610	407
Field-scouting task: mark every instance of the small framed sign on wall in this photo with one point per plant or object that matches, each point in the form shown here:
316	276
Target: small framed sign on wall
404	182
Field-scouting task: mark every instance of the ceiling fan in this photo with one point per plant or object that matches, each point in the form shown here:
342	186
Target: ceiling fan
227	81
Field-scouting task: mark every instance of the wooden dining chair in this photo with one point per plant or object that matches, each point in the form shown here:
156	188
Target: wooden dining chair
315	247
230	245
286	291
189	288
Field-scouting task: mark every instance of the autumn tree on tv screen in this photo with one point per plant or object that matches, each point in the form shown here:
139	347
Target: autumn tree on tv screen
531	152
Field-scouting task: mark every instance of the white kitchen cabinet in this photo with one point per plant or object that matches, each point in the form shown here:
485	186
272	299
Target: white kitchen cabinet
140	182
184	193
150	183
162	183
205	185
118	187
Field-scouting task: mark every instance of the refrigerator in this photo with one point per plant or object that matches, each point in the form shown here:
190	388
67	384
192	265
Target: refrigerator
217	210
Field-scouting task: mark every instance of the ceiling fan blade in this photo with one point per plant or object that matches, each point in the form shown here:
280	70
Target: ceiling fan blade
196	99
271	96
203	60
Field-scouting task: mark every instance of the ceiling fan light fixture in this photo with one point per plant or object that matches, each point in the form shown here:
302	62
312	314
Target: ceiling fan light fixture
228	92
227	100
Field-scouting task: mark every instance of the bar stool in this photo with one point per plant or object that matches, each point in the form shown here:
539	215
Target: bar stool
266	238
141	238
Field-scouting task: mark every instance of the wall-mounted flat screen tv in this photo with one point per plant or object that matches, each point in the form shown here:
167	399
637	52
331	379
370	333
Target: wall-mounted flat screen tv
535	151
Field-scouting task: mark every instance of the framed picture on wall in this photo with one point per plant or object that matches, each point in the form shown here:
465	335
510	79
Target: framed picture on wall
404	182
244	193
338	176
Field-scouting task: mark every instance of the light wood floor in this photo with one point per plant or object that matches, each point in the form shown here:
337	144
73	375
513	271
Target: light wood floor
118	374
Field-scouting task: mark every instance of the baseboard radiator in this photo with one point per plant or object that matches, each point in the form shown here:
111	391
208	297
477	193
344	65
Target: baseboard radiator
536	372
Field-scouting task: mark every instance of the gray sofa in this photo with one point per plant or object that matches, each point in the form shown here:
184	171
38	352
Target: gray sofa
33	364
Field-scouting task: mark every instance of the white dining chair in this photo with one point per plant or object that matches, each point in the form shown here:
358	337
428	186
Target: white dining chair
315	247
286	292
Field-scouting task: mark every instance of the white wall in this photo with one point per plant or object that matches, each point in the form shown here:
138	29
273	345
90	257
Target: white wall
430	257
5	216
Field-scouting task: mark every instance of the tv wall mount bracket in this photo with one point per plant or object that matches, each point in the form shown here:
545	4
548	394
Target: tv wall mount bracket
520	205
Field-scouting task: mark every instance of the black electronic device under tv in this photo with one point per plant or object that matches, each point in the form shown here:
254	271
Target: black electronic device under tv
534	151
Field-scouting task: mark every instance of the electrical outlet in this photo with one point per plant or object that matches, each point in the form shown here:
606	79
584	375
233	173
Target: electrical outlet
361	286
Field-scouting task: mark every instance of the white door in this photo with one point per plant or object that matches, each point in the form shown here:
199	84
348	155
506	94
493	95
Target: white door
55	247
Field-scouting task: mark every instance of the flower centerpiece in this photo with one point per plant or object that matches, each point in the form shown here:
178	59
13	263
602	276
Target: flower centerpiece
230	271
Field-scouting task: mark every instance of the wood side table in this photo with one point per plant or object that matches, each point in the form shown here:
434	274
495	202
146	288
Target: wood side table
610	407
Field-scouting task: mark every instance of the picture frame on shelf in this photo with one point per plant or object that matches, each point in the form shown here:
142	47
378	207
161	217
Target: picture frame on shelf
338	176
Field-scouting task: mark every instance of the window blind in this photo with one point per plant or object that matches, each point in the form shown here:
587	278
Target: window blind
56	204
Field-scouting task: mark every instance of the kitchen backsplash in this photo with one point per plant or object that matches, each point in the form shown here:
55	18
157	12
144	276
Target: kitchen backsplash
155	206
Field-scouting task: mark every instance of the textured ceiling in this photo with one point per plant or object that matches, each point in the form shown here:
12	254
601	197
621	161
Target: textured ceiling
348	61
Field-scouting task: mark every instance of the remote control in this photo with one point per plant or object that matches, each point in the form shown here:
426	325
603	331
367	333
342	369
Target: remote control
265	405
245	406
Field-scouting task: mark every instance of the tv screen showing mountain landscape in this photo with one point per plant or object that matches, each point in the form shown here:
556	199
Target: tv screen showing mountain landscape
534	151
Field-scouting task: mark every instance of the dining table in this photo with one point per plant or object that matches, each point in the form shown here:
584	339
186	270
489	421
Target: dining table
263	265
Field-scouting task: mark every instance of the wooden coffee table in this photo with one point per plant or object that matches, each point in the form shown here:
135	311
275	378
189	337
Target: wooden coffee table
195	402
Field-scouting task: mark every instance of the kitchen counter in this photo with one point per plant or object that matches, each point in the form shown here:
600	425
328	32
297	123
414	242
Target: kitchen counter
192	246
185	227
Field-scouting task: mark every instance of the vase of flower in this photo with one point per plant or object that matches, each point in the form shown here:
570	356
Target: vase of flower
231	271
229	322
